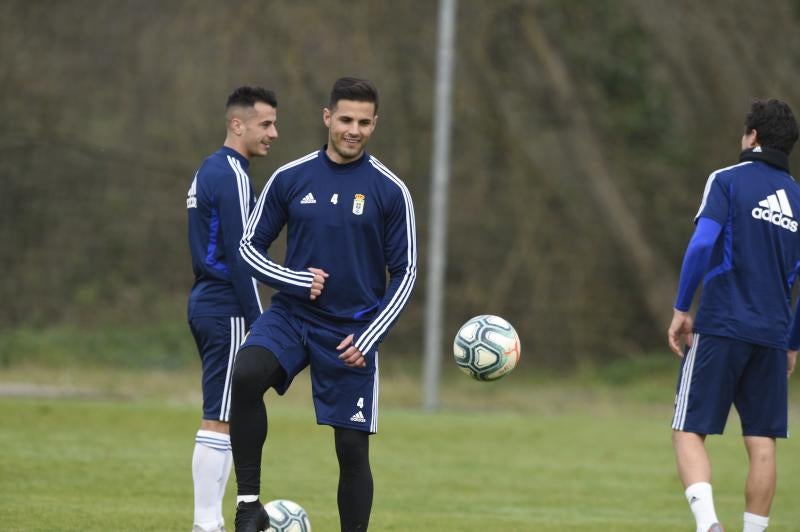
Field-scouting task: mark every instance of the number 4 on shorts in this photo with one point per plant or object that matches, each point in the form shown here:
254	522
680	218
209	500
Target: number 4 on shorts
360	402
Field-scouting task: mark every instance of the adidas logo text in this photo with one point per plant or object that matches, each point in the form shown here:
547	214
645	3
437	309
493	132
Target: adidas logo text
309	198
776	210
191	200
358	417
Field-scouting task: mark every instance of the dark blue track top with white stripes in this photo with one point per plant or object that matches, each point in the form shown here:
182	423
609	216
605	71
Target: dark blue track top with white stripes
219	201
747	289
356	222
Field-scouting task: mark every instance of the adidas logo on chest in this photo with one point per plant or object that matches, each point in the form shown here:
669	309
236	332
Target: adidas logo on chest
308	198
776	209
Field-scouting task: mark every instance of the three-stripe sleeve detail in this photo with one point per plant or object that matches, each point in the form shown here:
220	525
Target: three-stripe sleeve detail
243	187
378	327
261	262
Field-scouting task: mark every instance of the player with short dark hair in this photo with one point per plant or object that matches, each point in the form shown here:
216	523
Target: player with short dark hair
353	89
350	221
743	343
248	97
224	300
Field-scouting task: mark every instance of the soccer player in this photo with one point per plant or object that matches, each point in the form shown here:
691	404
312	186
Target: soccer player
743	344
224	301
350	221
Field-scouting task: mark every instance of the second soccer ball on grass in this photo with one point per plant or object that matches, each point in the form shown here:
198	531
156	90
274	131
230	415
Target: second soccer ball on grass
287	516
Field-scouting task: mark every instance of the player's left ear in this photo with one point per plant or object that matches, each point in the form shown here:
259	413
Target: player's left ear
374	121
750	140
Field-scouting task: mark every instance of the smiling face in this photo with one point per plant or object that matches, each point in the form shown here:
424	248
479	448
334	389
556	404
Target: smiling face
350	124
251	130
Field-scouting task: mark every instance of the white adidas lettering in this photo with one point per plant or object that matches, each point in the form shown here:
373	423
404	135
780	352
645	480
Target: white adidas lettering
191	199
309	198
776	209
358	417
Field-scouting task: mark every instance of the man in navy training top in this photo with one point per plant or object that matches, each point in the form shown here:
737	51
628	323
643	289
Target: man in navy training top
743	344
224	301
349	221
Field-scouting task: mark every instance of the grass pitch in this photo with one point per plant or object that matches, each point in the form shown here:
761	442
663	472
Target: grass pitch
109	450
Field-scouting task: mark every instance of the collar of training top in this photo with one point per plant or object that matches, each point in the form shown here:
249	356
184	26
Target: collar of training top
768	155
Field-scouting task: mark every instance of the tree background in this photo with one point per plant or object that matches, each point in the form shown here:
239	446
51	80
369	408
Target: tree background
583	133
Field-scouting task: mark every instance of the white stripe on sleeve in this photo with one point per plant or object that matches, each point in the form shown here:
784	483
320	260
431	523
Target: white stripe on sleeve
710	182
261	262
381	323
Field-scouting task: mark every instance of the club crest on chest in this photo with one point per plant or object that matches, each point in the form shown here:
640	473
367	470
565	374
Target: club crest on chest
358	204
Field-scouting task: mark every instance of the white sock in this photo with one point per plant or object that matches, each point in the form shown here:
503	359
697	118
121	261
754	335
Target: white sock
226	474
755	523
210	470
198	528
701	502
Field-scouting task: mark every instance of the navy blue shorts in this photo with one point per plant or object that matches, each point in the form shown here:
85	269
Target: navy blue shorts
218	339
718	372
343	396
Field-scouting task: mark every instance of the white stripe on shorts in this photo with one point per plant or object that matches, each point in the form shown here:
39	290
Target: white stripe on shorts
682	398
237	337
373	424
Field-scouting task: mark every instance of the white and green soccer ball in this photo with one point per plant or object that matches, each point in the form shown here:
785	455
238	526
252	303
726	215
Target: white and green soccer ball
486	347
287	516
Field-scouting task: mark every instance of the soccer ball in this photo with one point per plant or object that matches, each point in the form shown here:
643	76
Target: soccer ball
486	347
287	516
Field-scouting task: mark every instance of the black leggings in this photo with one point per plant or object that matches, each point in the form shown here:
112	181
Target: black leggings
355	479
255	371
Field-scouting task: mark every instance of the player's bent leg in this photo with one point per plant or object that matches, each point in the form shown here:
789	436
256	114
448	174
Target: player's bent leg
255	370
355	479
761	476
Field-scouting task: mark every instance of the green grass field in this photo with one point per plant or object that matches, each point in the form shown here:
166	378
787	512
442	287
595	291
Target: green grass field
107	450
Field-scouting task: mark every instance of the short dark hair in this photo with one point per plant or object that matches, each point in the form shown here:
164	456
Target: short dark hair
248	97
356	89
774	123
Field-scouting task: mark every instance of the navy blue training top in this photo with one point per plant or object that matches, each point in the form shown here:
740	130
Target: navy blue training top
755	260
356	222
219	201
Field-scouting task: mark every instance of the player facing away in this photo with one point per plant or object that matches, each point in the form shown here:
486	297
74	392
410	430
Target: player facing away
742	346
224	301
350	221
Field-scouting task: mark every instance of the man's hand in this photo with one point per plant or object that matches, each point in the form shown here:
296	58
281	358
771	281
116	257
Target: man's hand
351	356
791	360
318	283
680	329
